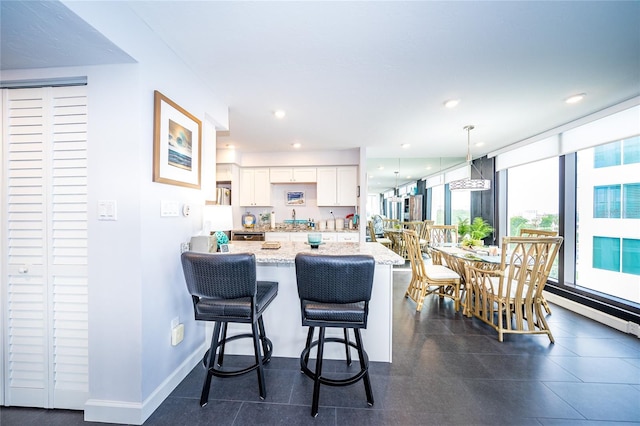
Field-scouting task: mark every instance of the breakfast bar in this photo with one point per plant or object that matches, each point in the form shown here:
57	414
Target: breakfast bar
282	319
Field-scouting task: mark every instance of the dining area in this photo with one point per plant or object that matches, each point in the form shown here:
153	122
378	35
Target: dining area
502	286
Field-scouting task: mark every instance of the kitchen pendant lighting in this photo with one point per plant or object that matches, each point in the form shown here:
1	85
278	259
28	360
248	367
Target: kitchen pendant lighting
469	184
396	196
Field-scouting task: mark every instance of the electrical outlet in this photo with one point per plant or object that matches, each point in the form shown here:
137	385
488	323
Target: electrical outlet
177	334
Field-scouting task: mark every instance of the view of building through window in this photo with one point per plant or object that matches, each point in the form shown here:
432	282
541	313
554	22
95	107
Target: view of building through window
608	229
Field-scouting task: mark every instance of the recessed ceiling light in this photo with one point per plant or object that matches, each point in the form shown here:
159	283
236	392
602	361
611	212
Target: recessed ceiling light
380	167
408	176
451	103
405	145
478	144
296	145
428	167
573	99
280	113
229	146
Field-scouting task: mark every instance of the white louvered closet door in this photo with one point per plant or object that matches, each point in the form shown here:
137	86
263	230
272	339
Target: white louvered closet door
44	278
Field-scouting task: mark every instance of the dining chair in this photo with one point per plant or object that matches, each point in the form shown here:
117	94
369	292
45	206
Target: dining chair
425	235
372	234
442	234
429	279
531	232
510	299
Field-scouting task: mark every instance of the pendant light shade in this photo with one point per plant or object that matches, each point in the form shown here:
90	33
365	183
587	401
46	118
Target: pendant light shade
469	184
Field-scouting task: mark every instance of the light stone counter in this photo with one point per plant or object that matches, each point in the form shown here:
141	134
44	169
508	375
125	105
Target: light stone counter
288	250
282	318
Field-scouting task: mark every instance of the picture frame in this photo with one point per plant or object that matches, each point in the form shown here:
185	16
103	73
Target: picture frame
224	248
295	198
177	144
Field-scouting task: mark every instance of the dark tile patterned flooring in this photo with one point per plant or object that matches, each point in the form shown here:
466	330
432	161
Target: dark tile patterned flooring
447	370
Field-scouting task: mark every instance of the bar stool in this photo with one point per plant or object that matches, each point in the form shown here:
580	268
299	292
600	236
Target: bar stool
334	291
224	289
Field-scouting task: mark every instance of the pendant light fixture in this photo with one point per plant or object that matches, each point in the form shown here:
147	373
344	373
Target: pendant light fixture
396	192
469	184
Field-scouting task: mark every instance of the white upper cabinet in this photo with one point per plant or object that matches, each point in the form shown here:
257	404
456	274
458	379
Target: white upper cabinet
290	175
255	187
337	186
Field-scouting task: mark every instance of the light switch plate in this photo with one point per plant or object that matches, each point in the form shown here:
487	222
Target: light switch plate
107	210
169	208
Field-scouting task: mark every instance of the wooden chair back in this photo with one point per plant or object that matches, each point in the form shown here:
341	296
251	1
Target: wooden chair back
443	234
530	232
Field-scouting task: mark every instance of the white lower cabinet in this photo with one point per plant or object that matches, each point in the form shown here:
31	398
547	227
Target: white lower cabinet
348	237
327	237
276	236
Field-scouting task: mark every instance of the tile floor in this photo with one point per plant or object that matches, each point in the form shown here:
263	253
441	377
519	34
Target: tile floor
446	370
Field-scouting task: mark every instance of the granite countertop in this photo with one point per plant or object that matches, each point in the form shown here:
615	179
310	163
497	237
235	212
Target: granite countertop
295	230
288	250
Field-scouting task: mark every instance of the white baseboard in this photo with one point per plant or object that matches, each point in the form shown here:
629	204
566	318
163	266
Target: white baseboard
601	317
135	413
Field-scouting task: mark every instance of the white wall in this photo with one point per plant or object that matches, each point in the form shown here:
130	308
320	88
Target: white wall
136	285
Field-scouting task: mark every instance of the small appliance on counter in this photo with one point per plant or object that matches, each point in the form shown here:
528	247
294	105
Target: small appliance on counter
248	220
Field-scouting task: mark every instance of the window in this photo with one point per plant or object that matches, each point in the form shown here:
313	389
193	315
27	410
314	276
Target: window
631	256
607	155
631	149
606	201
437	204
606	253
631	197
460	206
532	196
607	228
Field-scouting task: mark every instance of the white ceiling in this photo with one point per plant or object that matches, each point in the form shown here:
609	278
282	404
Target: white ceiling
372	74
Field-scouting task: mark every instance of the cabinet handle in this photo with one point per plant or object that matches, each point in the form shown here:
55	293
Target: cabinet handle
24	269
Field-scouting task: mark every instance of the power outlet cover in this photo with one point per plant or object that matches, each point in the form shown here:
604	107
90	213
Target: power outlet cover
177	334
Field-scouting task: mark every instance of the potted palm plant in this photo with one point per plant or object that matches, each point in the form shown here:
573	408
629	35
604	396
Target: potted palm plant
475	232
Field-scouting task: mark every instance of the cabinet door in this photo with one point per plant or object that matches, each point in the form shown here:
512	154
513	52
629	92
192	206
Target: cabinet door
247	187
255	188
298	236
262	188
304	175
326	187
346	189
349	237
280	175
276	236
329	237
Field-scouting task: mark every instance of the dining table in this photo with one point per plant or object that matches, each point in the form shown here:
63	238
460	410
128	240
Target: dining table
456	256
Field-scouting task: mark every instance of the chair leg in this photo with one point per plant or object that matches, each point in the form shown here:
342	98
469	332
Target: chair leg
256	350
204	396
222	344
364	365
308	344
316	381
263	339
346	345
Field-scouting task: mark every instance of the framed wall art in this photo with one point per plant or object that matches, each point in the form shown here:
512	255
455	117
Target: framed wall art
177	136
294	198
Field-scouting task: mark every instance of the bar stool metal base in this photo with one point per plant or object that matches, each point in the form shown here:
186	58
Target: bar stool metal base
211	362
316	375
